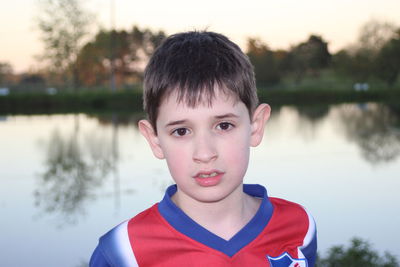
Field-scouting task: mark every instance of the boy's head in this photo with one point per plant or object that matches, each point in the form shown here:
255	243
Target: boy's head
199	93
192	65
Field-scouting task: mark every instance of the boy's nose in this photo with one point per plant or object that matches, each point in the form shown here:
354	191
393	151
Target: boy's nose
204	150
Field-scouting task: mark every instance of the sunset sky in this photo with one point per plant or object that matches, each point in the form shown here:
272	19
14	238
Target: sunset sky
278	23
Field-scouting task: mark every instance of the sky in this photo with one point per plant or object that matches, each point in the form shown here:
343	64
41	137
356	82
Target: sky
279	23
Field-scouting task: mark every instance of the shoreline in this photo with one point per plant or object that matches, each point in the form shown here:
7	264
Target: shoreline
131	100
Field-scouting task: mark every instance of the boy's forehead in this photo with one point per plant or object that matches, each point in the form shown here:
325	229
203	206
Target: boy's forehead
204	100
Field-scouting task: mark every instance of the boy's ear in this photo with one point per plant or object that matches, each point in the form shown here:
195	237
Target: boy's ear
148	132
260	117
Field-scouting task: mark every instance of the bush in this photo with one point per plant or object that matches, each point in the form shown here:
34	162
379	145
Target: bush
358	254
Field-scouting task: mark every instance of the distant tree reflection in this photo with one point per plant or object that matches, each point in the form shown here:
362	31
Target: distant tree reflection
310	118
74	168
313	113
304	119
375	128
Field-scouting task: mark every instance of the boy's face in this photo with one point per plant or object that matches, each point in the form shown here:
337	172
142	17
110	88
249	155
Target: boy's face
206	147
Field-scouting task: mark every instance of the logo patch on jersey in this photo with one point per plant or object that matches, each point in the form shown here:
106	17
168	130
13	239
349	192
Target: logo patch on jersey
285	260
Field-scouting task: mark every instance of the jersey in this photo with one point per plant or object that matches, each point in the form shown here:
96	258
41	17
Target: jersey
281	233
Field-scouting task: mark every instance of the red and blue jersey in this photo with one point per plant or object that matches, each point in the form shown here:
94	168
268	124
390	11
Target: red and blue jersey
281	233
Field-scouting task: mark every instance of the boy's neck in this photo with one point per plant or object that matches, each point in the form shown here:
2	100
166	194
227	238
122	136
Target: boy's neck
223	218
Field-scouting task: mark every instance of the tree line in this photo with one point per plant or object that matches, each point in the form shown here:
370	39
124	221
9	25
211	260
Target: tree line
374	56
117	57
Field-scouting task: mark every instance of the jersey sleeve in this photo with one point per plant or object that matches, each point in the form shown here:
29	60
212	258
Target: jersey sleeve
114	249
98	259
309	247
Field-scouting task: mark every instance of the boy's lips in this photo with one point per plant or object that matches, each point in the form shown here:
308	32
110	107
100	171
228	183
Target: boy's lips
205	174
208	178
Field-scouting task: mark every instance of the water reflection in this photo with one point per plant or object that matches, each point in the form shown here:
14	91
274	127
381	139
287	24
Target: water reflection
314	113
74	167
120	119
91	172
77	163
309	119
375	128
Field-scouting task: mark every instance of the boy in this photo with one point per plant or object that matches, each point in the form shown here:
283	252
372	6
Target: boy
201	100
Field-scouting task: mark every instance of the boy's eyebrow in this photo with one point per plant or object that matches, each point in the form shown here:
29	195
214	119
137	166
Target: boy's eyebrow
172	123
224	116
228	115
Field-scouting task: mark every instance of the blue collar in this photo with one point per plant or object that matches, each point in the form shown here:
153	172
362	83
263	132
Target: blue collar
184	224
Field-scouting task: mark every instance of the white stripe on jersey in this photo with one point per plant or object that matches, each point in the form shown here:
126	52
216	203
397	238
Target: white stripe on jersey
309	236
124	245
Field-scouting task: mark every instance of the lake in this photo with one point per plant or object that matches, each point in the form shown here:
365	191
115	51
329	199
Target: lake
66	179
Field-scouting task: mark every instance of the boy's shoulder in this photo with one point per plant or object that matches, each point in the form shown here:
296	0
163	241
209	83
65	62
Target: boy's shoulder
289	208
293	219
286	211
115	248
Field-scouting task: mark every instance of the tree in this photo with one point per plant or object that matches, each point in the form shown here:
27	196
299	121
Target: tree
144	42
310	56
364	56
374	34
341	62
127	52
94	60
264	62
359	253
6	72
64	24
388	60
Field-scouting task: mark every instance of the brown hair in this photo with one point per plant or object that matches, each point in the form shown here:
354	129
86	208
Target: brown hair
194	63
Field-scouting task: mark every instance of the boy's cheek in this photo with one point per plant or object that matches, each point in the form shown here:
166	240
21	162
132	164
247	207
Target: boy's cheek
175	152
178	168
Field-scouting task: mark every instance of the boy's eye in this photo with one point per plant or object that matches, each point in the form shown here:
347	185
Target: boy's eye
180	132
225	126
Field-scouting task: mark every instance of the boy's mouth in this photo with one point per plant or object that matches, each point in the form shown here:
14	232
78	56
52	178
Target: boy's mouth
208	178
203	175
207	174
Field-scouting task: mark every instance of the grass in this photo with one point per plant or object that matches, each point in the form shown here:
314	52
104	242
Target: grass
131	100
39	103
317	96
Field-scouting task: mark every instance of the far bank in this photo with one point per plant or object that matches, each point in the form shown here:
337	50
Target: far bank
131	100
